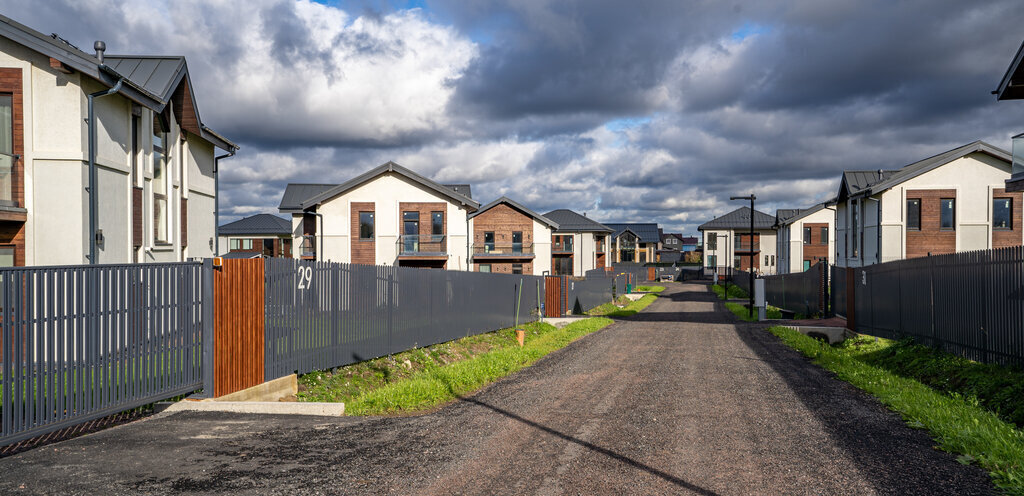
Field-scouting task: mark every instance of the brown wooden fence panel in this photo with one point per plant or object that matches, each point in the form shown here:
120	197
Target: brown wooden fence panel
239	288
554	296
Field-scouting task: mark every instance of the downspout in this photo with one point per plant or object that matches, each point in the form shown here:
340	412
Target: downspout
468	235
835	227
93	205
216	199
320	234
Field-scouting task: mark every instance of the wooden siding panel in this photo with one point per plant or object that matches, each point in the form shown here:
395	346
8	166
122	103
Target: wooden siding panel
815	251
137	231
930	238
1009	237
364	251
184	222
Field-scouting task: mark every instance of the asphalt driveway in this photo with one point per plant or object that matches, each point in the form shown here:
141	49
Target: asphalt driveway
677	399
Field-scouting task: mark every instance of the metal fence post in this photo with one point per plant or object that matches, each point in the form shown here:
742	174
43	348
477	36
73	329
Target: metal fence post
209	342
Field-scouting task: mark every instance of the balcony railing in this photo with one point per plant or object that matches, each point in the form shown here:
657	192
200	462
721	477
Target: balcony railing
6	180
503	250
562	246
422	246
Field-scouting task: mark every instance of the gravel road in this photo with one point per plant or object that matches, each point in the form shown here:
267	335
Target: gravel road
680	398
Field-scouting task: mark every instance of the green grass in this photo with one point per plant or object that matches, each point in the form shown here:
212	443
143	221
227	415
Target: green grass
741	311
650	289
631	307
735	292
958	423
435	384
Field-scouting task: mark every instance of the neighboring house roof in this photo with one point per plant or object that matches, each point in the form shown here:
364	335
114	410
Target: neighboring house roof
665	236
462	189
785	216
739	219
1011	87
856	183
690	240
518	206
645	232
242	254
137	88
389	167
294	193
257	224
569	221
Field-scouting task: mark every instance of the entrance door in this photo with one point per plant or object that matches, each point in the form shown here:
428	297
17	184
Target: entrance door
411	231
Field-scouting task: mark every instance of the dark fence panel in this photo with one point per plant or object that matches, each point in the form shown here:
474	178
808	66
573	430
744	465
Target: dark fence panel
83	342
637	272
585	294
837	290
970	304
322	315
800	292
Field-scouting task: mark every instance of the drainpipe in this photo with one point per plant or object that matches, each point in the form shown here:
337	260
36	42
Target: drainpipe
93	205
468	234
320	234
216	199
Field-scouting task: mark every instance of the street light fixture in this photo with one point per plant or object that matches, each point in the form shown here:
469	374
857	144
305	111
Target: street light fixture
751	197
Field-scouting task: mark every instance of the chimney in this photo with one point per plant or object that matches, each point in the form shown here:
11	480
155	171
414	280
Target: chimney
100	47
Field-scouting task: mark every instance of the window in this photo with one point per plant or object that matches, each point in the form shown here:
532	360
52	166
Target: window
437	223
488	241
1001	219
563	243
366	225
737	261
712	241
643	256
485	267
517	268
824	235
807	265
160	184
854	228
7	256
562	266
712	260
599	240
517	245
947	213
411	232
241	244
627	248
7	149
913	214
773	261
807	235
766	260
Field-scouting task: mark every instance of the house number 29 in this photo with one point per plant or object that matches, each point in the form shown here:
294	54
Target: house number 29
305	277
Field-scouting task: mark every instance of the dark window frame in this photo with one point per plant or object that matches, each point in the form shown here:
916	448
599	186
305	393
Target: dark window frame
437	228
372	223
916	225
952	214
1009	214
807	235
824	236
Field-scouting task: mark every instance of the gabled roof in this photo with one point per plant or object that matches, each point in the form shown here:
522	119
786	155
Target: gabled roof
569	221
295	193
389	167
785	216
646	232
1011	87
690	240
139	86
856	183
739	219
462	189
257	224
665	235
518	206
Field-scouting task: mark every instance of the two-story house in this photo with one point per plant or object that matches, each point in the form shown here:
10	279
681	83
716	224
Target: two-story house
1011	87
728	243
510	238
389	215
261	234
954	201
103	158
804	237
578	245
635	242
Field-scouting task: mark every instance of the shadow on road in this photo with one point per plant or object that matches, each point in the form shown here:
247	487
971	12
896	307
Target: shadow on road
597	449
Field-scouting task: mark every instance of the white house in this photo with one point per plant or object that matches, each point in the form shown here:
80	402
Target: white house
389	215
728	243
804	237
143	151
954	201
579	244
510	238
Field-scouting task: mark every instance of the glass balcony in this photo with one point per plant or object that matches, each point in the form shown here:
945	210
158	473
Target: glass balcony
562	245
7	180
410	245
510	250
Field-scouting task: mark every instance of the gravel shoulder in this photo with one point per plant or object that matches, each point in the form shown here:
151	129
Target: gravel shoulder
680	398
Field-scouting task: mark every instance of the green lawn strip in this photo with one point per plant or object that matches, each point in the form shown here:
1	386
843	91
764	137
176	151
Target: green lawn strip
958	423
650	289
741	311
435	384
735	292
631	308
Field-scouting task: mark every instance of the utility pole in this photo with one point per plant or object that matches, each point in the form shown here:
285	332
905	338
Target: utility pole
751	198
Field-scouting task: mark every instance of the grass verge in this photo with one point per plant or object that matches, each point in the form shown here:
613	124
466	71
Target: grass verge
734	292
650	289
740	310
631	307
435	385
958	423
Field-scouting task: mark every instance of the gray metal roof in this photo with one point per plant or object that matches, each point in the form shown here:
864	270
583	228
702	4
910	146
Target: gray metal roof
569	221
462	189
1011	87
294	194
785	216
646	232
257	224
157	75
739	219
518	206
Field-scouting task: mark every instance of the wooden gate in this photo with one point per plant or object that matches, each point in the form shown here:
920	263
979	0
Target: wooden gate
554	296
238	325
651	274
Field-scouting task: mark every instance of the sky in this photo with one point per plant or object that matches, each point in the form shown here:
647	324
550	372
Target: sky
639	111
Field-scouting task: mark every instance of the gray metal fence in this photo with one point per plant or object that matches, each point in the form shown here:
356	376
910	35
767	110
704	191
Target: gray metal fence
970	304
593	291
837	290
800	292
636	271
84	342
322	315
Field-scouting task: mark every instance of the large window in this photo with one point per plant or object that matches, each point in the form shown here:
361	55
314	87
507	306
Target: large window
160	184
712	260
913	214
1001	217
712	241
807	235
437	223
517	243
599	241
488	241
411	231
947	214
366	225
6	149
855	228
627	247
562	266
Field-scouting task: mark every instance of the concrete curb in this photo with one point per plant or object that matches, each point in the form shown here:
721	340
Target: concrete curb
262	407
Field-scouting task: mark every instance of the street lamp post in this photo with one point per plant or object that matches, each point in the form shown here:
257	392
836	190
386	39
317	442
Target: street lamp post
751	197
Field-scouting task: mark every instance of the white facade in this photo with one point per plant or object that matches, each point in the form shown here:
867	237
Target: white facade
790	239
881	235
722	252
